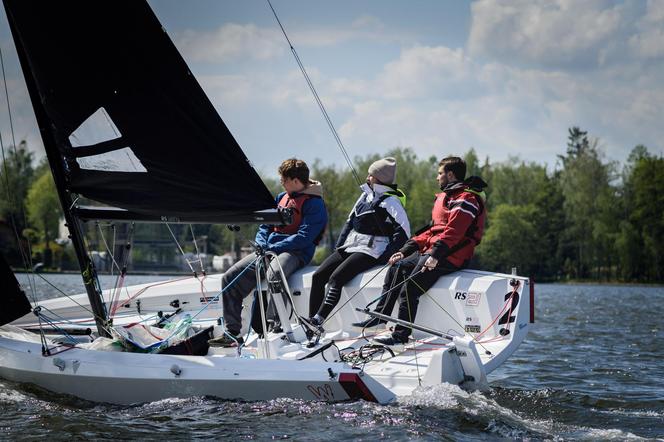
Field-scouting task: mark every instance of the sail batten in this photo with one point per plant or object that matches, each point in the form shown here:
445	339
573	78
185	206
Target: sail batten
132	125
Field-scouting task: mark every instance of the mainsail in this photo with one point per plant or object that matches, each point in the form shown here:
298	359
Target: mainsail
125	123
124	119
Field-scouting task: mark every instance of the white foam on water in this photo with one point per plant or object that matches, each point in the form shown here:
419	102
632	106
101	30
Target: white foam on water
441	396
607	434
631	413
168	402
11	395
499	420
503	421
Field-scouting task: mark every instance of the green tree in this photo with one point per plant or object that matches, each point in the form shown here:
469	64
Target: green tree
340	190
512	240
644	215
472	163
44	211
590	209
16	174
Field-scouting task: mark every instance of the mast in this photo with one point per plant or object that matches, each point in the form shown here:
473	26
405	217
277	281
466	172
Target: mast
57	164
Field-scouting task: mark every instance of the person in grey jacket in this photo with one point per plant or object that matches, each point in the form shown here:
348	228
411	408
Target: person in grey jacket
376	228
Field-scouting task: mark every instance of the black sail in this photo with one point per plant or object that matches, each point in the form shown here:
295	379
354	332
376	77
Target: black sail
130	123
12	298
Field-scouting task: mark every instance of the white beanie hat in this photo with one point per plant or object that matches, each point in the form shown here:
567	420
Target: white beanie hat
384	170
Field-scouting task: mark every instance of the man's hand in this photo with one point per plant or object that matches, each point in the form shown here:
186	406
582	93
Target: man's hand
395	258
430	264
258	249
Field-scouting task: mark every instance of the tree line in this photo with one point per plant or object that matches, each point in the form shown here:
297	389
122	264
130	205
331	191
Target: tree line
585	219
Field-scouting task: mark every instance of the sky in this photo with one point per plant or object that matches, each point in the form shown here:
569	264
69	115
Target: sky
507	78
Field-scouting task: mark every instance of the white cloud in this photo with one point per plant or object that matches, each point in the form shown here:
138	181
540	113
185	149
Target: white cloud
648	42
23	120
502	110
423	70
231	41
547	33
232	90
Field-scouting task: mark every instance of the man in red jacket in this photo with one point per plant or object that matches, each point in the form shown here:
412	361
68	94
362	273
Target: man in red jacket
446	245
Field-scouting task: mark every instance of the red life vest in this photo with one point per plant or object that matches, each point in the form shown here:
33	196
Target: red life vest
439	214
295	204
461	249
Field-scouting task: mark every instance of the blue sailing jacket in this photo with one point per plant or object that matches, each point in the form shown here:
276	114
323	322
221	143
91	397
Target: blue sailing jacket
302	243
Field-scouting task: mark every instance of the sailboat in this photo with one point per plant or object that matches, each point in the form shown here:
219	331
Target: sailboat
125	124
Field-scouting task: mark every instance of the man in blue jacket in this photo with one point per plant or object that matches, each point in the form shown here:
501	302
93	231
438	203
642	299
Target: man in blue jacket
294	244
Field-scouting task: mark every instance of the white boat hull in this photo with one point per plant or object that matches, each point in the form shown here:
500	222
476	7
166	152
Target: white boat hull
125	378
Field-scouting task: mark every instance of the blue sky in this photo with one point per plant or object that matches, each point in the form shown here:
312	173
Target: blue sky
506	78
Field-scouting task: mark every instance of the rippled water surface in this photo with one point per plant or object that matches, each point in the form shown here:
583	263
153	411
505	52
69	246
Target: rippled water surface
591	369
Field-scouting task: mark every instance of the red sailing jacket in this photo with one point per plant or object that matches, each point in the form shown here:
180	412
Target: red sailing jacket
456	228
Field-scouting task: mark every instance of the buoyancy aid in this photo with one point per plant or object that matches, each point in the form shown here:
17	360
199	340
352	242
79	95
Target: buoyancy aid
445	240
295	204
372	219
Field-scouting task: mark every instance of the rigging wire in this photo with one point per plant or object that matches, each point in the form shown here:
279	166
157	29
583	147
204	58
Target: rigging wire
26	257
180	248
198	254
64	294
113	244
323	110
355	294
326	116
449	314
108	250
410	318
122	271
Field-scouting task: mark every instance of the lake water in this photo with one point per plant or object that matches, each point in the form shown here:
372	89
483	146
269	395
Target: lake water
591	369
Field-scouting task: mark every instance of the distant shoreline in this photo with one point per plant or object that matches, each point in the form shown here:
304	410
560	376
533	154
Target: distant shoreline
607	283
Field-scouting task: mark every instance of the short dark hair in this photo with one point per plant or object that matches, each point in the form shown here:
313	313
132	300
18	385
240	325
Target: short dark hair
455	165
293	168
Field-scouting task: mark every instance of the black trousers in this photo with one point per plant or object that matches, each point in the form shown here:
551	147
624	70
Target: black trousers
336	271
410	292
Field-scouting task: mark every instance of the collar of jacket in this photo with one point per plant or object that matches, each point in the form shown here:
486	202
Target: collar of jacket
314	188
378	189
453	187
